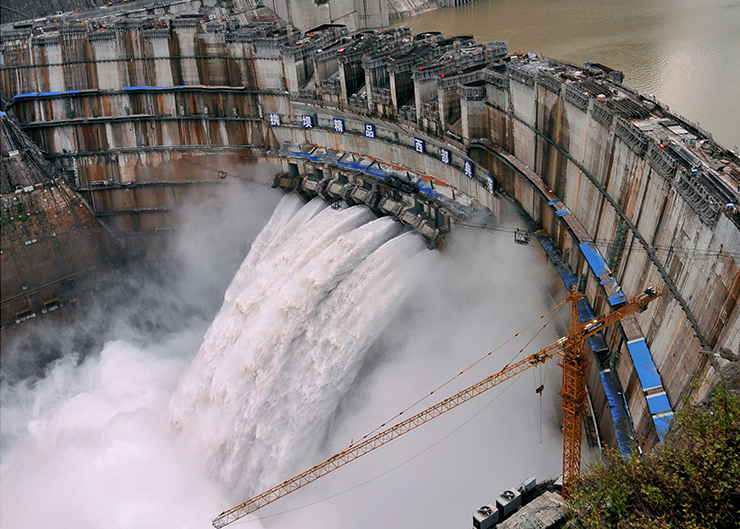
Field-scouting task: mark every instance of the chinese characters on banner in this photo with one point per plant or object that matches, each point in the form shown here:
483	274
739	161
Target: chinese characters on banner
308	122
468	168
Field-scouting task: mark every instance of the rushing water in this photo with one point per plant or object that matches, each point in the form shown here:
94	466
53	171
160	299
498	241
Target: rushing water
314	293
334	322
686	52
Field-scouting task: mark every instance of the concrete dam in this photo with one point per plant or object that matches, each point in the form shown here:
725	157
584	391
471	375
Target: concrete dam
113	122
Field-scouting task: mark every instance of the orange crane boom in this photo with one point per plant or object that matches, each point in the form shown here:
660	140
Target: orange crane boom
570	347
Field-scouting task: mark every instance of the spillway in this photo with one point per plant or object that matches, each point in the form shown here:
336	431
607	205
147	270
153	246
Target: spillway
112	436
298	319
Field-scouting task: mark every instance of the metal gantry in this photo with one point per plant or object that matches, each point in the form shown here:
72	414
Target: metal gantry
573	395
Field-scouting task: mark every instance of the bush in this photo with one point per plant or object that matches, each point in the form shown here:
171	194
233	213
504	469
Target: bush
691	480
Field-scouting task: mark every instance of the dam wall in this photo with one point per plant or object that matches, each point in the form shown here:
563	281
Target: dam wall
53	249
621	194
355	14
127	109
626	174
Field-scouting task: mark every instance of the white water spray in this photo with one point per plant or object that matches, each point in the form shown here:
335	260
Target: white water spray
110	441
134	438
301	313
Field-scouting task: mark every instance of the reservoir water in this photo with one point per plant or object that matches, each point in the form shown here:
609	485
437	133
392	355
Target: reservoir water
686	52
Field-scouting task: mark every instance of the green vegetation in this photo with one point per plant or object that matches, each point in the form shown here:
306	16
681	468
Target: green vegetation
690	481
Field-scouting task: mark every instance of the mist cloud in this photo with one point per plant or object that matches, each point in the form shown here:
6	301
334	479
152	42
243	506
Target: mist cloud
97	452
85	438
90	441
471	299
215	235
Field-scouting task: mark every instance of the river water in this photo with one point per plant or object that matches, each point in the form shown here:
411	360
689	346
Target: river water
686	52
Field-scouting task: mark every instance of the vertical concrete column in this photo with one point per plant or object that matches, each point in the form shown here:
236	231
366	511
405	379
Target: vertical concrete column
394	96
108	71
51	75
294	73
497	95
73	41
369	74
417	100
186	37
423	90
38	57
524	105
292	80
131	42
342	84
442	104
246	67
473	112
268	68
162	69
320	72
212	43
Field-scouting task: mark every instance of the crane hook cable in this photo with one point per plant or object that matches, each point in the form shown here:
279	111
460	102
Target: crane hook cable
556	307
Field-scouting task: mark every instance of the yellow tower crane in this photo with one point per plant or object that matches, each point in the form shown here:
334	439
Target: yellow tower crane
573	394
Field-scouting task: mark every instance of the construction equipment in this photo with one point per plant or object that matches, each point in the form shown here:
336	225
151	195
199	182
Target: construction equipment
573	395
522	237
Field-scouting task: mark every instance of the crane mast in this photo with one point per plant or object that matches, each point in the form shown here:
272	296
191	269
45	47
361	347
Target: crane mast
573	398
573	395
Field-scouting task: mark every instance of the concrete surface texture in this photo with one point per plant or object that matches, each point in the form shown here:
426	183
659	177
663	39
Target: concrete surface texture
53	248
355	14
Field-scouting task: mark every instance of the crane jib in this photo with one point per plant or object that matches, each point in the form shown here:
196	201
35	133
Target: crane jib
569	346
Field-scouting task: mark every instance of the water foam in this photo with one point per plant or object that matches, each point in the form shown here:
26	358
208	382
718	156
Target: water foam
292	334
